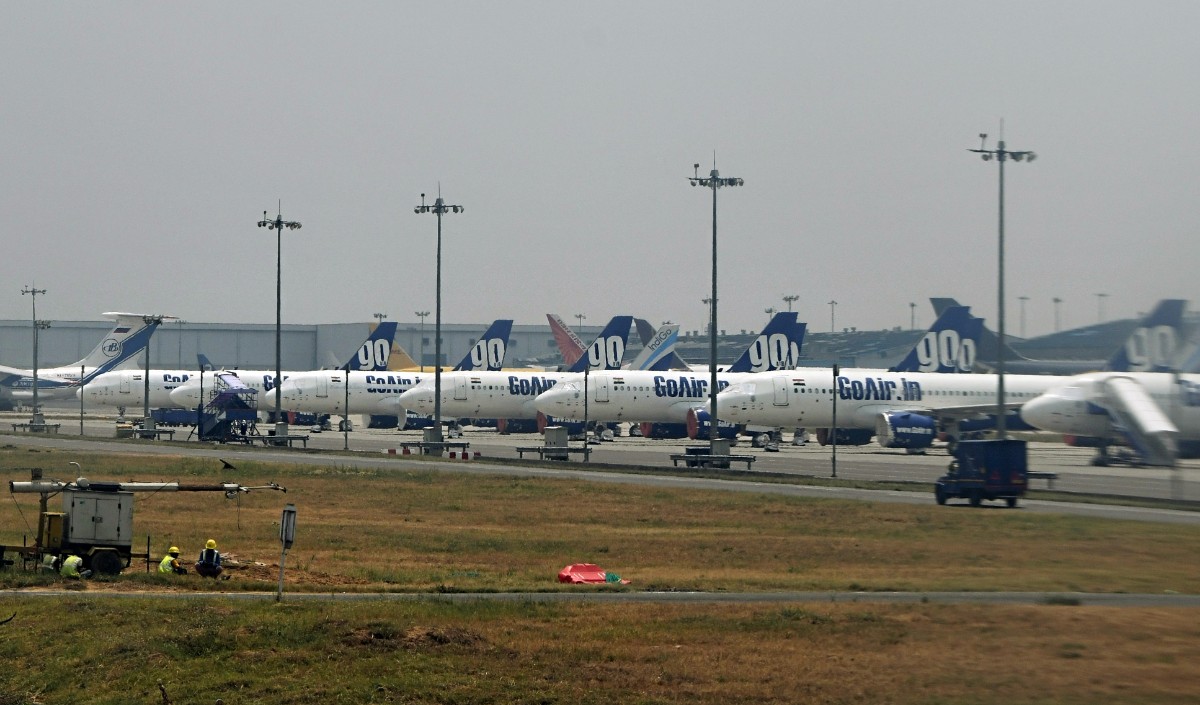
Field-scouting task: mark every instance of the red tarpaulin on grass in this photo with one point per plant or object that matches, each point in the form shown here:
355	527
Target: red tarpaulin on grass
578	573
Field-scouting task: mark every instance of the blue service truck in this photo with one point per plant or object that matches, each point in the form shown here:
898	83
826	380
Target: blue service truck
991	469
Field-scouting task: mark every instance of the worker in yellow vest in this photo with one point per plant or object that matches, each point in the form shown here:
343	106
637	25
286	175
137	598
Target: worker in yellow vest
170	563
72	568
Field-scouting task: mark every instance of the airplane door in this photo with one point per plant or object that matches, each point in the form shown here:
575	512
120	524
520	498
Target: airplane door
322	386
781	391
601	387
124	384
460	388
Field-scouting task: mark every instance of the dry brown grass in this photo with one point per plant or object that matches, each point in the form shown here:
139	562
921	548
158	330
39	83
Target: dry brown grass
423	531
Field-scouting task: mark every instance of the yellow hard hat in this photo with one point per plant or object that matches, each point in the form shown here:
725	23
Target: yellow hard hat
211	543
173	549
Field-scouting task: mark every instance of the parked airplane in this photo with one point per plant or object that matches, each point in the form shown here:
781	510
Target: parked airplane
181	388
508	396
376	392
125	341
662	399
1156	414
1151	347
904	407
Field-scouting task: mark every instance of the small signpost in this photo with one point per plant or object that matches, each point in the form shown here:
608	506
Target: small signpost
287	535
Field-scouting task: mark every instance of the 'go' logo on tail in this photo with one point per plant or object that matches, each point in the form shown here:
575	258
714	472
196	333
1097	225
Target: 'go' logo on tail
488	353
772	352
606	353
373	355
945	349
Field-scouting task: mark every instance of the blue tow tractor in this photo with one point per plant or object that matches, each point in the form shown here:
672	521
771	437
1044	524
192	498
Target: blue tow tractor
991	469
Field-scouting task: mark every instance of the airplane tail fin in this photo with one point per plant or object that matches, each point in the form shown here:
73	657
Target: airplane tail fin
127	339
777	347
606	351
658	349
376	351
670	360
950	345
1155	345
204	363
488	352
989	342
400	359
569	344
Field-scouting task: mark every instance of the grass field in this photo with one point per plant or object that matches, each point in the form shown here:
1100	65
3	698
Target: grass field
418	531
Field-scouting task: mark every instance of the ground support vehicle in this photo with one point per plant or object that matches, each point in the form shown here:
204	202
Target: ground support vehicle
991	469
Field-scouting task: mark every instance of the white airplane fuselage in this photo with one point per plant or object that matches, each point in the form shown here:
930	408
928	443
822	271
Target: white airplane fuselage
805	397
634	395
325	392
504	394
1076	406
127	388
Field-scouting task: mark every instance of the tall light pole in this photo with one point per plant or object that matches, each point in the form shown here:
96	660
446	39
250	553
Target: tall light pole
912	316
770	311
1100	307
37	326
278	225
439	208
422	315
147	422
708	304
1001	155
379	317
832	319
790	299
1057	320
713	181
1023	299
579	317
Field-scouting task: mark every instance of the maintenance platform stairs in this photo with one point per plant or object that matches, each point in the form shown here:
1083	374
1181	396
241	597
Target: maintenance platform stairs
231	412
1140	421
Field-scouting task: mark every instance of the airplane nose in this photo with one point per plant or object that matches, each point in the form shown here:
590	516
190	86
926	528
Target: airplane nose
553	401
418	398
185	396
1042	411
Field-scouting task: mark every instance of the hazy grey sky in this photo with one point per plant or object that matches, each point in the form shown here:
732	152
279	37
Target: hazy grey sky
141	142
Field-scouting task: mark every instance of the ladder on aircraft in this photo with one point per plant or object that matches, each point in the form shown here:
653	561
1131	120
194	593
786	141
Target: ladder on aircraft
1138	418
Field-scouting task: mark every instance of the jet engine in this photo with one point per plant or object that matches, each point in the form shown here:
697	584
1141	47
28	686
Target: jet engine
903	429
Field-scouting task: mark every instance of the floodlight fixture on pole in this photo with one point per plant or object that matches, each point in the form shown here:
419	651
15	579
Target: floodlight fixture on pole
1023	299
278	224
770	311
713	181
147	421
832	317
1057	320
791	299
37	325
1001	154
579	317
422	315
438	208
912	316
1100	307
379	317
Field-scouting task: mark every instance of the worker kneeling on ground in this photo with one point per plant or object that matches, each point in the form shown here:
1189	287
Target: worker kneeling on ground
71	568
170	563
209	564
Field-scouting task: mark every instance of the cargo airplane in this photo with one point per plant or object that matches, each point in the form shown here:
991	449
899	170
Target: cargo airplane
124	342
